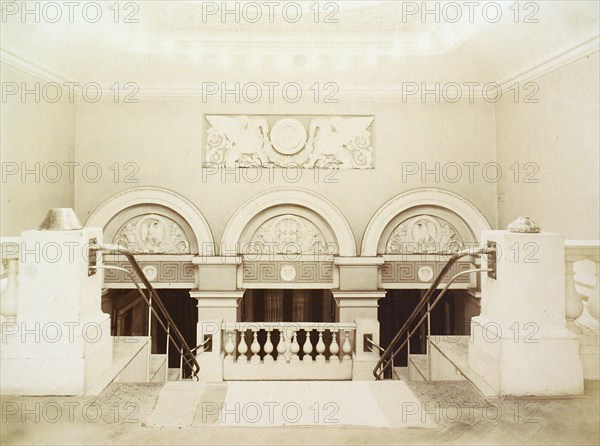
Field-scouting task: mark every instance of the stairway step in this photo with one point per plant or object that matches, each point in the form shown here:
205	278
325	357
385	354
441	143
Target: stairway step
417	367
157	364
456	350
400	374
173	374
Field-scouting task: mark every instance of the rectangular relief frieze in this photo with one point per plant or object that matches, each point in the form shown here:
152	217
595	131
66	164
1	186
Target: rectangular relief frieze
326	142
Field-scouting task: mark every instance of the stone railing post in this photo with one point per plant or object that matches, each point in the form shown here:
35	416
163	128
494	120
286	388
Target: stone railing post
218	303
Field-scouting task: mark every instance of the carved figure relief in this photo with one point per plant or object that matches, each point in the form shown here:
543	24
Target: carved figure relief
324	142
287	234
423	234
153	233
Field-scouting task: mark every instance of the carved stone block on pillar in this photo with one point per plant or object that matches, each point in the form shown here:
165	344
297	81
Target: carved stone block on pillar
358	273
60	343
519	343
217	273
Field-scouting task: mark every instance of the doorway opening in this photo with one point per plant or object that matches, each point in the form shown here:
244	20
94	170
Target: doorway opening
452	316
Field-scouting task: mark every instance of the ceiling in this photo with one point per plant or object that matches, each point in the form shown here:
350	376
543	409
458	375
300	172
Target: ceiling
177	45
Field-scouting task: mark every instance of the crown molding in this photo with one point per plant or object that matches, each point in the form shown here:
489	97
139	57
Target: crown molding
556	61
31	67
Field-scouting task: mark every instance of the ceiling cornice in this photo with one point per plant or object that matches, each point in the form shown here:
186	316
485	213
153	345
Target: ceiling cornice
554	62
31	67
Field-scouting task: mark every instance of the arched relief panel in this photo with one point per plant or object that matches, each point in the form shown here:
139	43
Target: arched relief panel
416	232
425	229
288	238
165	231
151	229
290	230
301	201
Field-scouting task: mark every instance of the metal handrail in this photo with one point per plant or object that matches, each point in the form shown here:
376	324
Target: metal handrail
384	362
186	354
379	347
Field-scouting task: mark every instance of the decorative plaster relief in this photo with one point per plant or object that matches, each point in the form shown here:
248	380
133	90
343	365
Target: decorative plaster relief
423	234
413	271
277	272
153	233
156	271
287	234
319	142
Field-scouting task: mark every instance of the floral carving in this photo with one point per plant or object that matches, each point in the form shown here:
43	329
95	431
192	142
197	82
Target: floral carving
423	234
153	233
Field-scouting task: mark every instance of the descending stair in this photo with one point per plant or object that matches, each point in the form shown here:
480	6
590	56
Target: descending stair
417	367
158	364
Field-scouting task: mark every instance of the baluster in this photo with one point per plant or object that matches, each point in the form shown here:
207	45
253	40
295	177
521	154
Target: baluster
307	348
255	347
593	303
320	347
573	303
242	347
268	348
334	348
347	348
295	347
8	301
229	347
282	347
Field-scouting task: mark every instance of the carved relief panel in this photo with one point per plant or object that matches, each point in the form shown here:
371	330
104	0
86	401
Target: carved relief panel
153	233
287	234
306	141
423	234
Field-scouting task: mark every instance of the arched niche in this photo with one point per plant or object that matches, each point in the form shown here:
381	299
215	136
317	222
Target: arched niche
288	216
153	220
425	217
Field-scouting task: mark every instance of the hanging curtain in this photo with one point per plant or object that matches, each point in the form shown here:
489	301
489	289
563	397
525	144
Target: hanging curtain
273	306
302	306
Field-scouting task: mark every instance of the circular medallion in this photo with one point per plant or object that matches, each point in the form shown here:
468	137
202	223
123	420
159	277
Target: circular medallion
288	136
151	272
287	273
425	274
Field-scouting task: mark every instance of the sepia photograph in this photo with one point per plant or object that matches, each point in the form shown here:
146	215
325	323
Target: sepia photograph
299	222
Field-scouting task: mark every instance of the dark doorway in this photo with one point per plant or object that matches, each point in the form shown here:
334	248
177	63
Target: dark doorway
184	312
449	317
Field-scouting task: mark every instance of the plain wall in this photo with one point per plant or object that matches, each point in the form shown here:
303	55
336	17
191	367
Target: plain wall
34	134
560	135
163	136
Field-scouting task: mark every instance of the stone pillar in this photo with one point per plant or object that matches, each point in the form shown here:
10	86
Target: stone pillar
60	343
218	303
519	343
360	307
357	302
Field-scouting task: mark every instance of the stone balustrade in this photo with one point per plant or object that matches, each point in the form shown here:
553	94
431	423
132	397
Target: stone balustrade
288	350
582	292
582	265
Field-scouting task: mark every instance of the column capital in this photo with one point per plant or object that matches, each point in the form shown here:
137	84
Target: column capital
217	299
358	299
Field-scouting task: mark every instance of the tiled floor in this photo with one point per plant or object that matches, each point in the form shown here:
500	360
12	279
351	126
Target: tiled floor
460	414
